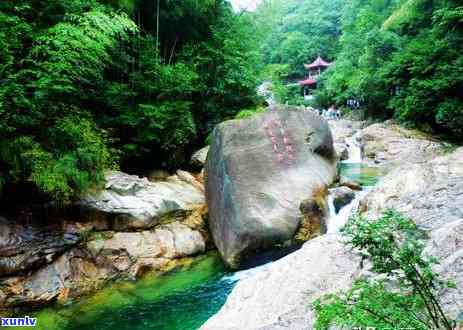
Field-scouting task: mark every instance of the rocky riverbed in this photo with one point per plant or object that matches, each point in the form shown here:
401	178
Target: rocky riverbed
136	225
131	227
423	182
259	172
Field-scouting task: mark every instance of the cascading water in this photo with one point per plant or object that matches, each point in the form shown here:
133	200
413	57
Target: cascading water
331	208
354	146
265	90
245	274
335	221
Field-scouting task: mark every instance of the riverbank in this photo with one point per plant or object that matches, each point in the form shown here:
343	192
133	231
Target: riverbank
182	297
421	180
131	227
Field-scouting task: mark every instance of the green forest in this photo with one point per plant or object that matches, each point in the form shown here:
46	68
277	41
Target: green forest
402	58
91	85
87	86
231	164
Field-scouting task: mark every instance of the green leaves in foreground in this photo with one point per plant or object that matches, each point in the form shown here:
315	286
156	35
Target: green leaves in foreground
408	294
370	304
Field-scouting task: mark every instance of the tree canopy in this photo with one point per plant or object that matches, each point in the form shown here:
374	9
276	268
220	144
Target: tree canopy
91	85
398	58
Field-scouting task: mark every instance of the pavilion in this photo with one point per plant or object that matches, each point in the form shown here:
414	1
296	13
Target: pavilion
315	69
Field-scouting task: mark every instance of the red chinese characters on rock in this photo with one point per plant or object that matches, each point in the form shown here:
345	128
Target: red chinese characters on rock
280	139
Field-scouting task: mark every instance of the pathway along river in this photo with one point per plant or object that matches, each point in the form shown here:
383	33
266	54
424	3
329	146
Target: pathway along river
179	300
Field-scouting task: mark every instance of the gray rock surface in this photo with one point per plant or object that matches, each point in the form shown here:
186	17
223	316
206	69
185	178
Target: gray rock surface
130	202
342	130
198	159
389	144
279	297
341	196
258	172
25	246
105	256
174	240
432	195
39	265
431	192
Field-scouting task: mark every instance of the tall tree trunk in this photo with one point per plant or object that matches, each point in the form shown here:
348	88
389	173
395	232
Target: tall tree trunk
157	29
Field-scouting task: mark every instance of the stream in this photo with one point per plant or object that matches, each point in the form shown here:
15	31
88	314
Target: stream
183	298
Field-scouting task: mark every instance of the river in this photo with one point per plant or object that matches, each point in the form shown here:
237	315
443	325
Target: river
182	299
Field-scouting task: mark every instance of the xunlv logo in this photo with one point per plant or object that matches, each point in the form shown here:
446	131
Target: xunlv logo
18	321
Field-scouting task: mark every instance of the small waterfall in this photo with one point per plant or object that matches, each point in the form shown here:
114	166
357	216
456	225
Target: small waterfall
265	90
336	221
331	208
354	146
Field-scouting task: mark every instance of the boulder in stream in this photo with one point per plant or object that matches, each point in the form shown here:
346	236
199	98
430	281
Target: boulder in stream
341	197
258	172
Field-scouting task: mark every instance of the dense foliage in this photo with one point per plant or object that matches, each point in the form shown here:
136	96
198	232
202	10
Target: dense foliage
297	31
90	85
398	58
402	58
406	295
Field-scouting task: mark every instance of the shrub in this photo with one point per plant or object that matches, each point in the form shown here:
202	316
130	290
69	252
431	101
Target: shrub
247	113
406	297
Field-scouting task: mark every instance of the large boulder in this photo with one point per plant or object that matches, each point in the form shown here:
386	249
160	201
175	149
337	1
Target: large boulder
129	202
258	172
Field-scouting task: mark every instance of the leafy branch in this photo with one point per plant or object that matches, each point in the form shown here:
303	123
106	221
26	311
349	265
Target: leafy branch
394	245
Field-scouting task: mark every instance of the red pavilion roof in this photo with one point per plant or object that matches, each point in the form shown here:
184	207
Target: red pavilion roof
307	82
318	63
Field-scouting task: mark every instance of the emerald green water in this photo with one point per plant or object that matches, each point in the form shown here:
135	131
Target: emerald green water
361	173
181	299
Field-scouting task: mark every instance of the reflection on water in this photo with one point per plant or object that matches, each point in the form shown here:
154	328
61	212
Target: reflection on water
182	299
